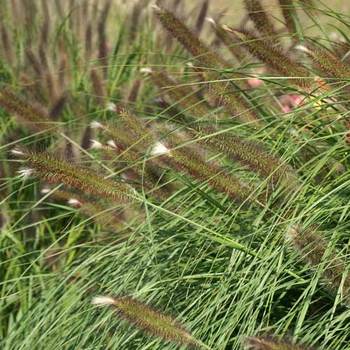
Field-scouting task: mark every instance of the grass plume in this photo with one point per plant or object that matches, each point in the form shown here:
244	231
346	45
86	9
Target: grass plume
181	94
314	250
274	58
289	14
27	112
249	153
101	214
55	170
185	159
149	320
260	18
271	343
188	39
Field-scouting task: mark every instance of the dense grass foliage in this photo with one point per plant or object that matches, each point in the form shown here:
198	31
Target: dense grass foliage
172	180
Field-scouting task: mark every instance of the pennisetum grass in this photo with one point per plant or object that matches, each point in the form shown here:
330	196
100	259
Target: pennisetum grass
272	343
289	14
251	154
260	19
316	251
201	16
187	160
98	87
274	58
102	37
149	320
222	91
205	56
231	41
55	170
58	106
49	51
33	116
327	63
182	94
112	220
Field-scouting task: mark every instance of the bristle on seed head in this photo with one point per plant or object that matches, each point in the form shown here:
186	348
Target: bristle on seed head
111	143
210	20
96	125
25	173
102	300
302	48
17	152
95	144
226	27
159	149
155	7
74	202
111	106
146	70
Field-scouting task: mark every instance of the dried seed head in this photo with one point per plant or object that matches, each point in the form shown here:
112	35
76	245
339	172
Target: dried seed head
94	144
289	13
188	39
31	114
146	70
56	170
315	250
96	125
260	18
112	144
159	149
17	152
111	106
149	320
273	56
74	202
271	343
25	173
45	190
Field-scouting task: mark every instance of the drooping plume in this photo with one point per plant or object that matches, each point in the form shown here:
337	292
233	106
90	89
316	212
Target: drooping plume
149	320
315	251
271	343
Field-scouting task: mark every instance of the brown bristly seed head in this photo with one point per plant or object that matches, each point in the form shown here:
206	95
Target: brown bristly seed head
326	62
314	249
58	106
289	13
273	57
201	16
55	170
35	117
272	343
229	40
98	87
249	153
185	159
188	39
179	93
260	19
148	319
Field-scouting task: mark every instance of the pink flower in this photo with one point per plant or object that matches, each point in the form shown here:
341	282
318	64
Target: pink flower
286	109
290	101
254	82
